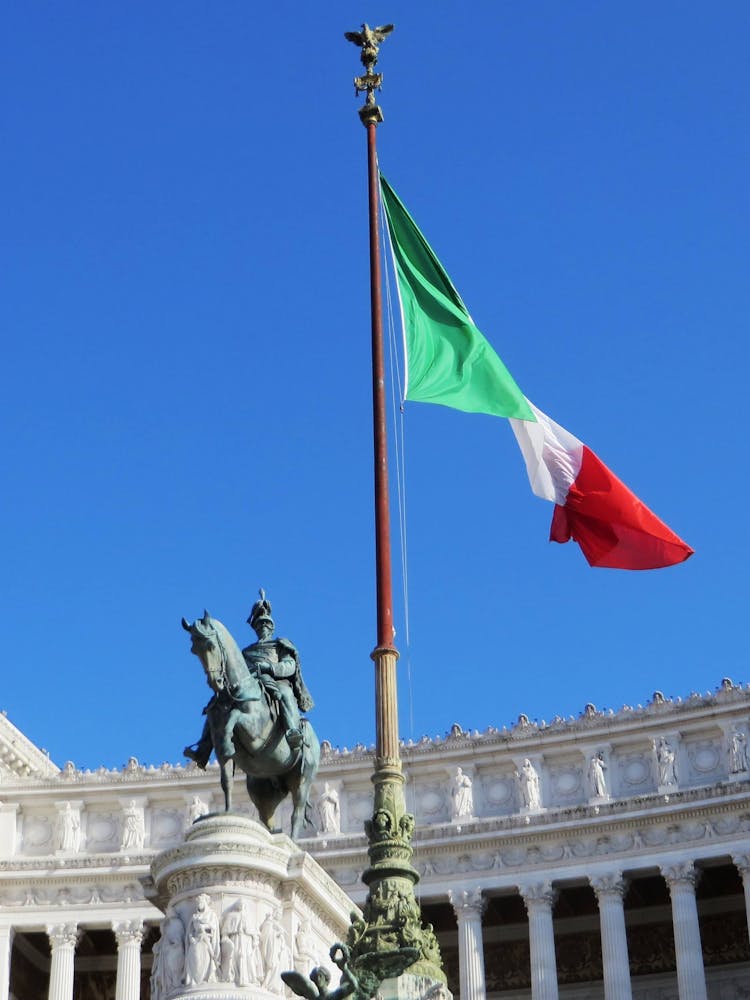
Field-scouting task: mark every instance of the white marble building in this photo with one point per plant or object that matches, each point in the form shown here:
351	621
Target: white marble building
606	856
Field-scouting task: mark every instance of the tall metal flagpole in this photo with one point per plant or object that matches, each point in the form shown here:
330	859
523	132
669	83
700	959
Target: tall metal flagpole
392	938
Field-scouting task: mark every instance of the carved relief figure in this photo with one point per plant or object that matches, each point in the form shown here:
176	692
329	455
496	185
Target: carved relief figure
274	949
737	752
169	958
154	981
528	783
666	762
239	947
202	944
133	829
597	779
68	830
462	795
305	956
329	810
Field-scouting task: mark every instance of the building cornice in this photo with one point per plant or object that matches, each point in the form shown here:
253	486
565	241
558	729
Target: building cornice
19	757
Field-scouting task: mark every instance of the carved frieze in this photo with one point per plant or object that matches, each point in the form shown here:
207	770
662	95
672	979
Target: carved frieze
431	802
209	875
167	826
635	771
37	834
499	792
566	781
102	831
705	759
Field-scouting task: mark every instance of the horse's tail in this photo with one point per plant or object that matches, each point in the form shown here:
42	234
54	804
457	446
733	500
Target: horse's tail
309	821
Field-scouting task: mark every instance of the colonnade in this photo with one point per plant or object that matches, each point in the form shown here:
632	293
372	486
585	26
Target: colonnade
610	888
469	904
63	938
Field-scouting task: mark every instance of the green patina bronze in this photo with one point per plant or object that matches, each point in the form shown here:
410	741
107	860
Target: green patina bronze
316	986
253	719
391	938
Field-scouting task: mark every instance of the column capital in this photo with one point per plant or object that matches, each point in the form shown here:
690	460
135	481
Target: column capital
62	935
537	895
684	874
742	863
128	932
609	885
467	902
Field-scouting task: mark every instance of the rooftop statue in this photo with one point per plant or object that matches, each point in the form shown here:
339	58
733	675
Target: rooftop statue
254	718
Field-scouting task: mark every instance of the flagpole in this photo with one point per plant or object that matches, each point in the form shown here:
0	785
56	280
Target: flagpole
392	938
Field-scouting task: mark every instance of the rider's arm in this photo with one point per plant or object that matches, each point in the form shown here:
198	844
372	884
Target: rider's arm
286	667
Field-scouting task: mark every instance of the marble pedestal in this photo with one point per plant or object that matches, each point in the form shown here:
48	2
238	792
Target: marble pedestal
241	905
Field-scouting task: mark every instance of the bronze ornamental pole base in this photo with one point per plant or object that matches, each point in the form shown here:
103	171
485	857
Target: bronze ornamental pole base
391	939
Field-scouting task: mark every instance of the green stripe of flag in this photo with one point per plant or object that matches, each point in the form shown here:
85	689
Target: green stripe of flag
448	360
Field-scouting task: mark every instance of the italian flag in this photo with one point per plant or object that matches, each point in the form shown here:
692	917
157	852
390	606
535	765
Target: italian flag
449	361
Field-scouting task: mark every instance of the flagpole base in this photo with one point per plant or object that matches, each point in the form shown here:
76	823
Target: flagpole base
391	936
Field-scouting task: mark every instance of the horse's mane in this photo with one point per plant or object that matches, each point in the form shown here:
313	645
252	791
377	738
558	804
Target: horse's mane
225	638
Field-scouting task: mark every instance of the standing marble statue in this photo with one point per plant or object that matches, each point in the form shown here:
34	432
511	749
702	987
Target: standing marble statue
528	782
737	752
133	829
68	830
462	796
202	944
329	810
195	810
597	778
666	762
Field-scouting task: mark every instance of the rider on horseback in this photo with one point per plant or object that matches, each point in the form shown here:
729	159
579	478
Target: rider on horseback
276	664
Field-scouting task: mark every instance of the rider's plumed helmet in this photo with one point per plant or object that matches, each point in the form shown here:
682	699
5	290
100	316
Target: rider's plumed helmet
260	611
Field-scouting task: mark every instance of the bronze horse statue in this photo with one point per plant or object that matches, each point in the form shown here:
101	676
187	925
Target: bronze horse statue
241	713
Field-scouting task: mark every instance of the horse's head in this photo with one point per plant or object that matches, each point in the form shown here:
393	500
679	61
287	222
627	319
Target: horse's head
220	655
209	645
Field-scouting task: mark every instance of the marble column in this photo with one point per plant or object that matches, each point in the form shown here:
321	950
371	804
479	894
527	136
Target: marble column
62	939
742	861
6	944
691	977
610	892
129	936
539	898
469	906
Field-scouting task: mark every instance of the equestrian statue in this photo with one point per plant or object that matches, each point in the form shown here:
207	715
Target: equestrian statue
254	719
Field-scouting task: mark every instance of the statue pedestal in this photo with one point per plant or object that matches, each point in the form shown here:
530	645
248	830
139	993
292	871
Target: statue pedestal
241	906
668	789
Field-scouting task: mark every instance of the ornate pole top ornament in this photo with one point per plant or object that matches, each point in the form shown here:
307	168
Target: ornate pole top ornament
369	39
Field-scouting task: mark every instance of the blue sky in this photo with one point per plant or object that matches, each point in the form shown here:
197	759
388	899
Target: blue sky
185	391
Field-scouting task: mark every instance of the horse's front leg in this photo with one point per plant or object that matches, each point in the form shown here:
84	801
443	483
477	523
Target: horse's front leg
226	771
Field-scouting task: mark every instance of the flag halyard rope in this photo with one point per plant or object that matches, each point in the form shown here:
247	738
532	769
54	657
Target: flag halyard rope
398	392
